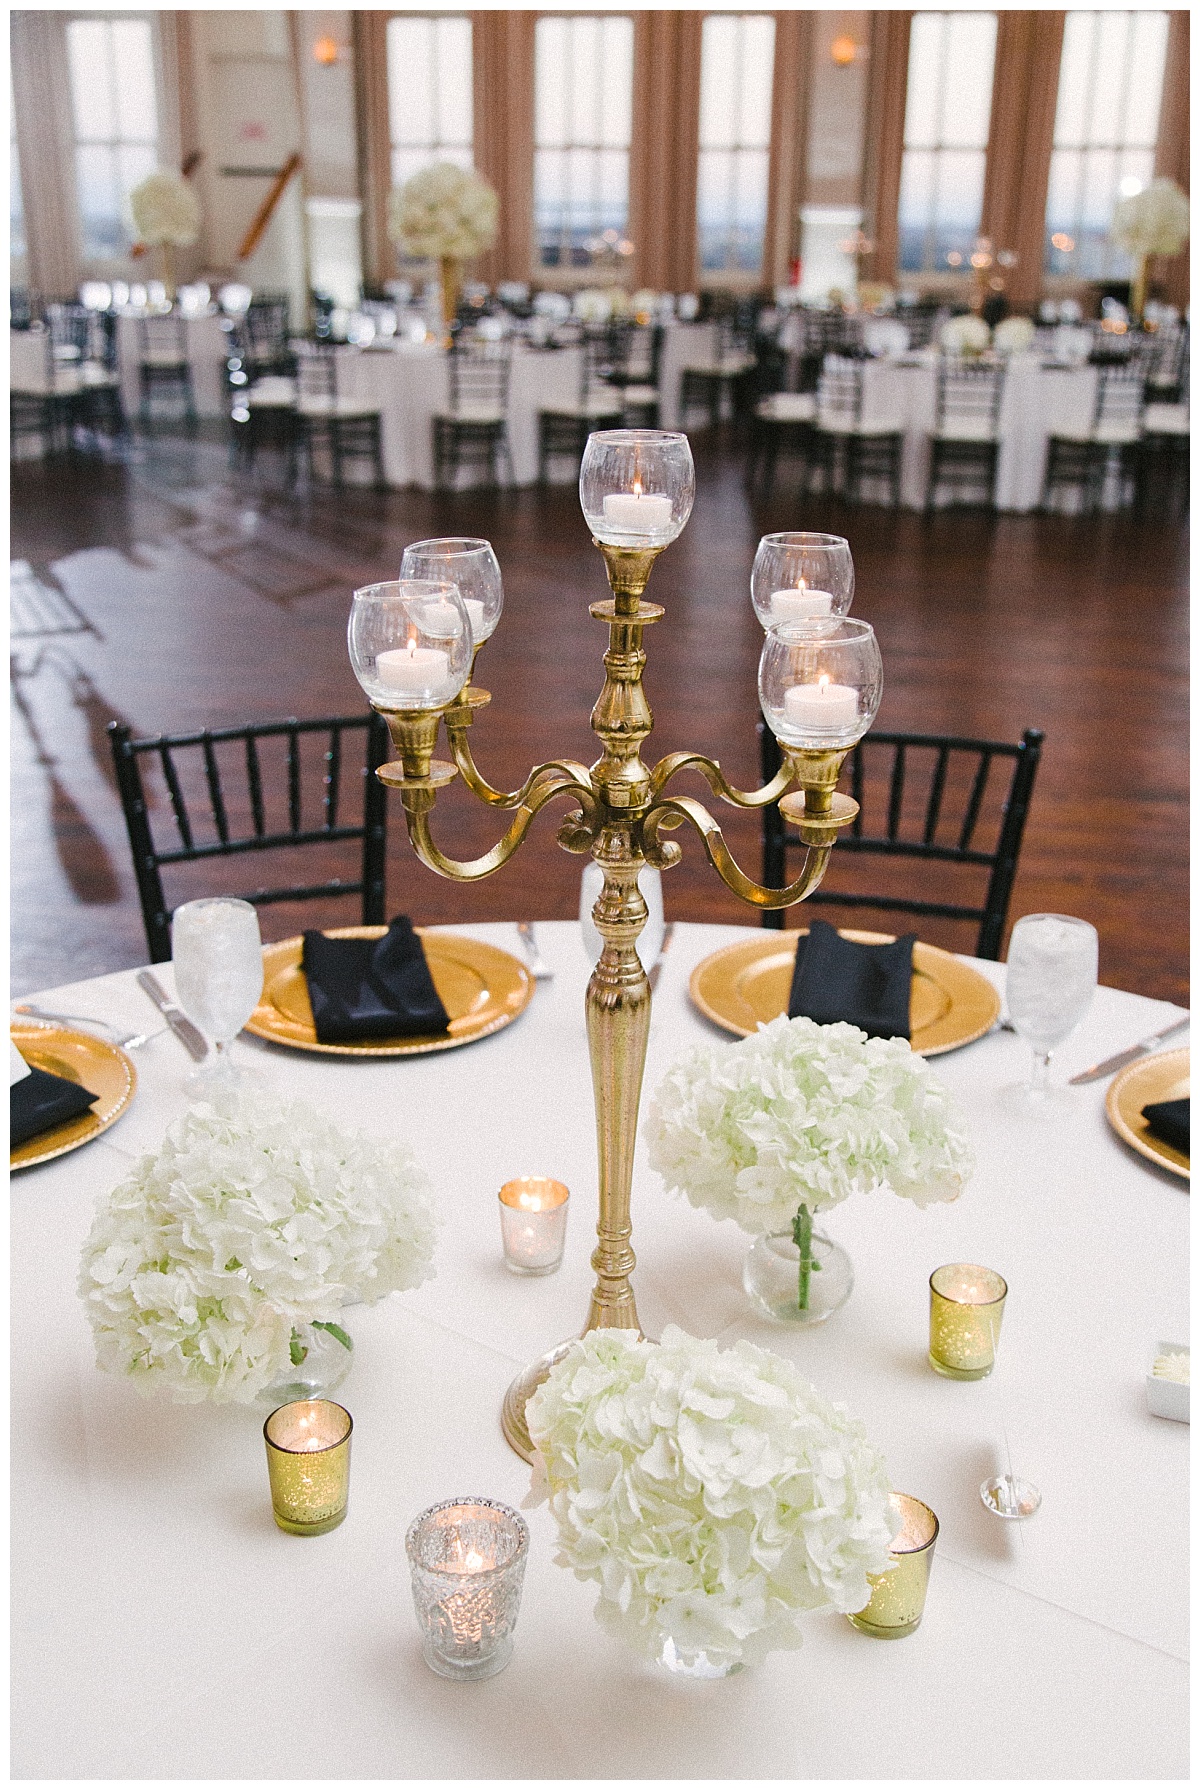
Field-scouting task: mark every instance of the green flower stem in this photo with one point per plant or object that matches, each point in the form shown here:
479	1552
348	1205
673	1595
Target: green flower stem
802	1231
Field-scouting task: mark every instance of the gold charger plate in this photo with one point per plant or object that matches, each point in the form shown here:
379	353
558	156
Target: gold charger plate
748	984
103	1069
1167	1076
482	989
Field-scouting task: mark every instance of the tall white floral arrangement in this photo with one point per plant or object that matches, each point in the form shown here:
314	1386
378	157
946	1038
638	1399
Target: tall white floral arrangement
1014	335
966	335
165	210
257	1216
712	1494
444	212
1155	221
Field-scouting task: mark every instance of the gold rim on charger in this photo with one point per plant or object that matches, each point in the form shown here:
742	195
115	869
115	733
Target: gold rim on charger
102	1068
748	984
482	988
1167	1076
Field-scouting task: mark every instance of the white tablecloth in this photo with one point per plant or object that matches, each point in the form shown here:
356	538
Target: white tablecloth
207	351
165	1628
410	382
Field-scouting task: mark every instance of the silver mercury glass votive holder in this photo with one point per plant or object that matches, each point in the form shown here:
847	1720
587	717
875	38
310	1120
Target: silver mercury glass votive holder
467	1557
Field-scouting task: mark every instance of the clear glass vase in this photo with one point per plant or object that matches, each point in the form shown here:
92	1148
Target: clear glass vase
322	1356
773	1280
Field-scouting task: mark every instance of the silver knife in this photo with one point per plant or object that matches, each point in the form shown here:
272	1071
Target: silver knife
656	966
1110	1065
184	1030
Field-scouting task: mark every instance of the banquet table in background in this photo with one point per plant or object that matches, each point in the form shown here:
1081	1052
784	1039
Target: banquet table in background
165	1628
207	347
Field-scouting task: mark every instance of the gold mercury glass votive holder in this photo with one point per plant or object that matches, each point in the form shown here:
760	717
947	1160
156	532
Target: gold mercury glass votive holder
898	1595
467	1557
533	1224
966	1305
308	1460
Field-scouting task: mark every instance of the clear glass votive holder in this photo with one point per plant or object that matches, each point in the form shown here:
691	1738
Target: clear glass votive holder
533	1224
966	1306
898	1595
467	1557
308	1461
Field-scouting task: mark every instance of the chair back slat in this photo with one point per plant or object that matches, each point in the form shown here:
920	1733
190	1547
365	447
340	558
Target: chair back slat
254	782
896	794
971	816
293	776
178	805
937	786
213	778
333	772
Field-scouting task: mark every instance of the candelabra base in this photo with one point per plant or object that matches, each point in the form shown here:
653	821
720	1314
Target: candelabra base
522	1389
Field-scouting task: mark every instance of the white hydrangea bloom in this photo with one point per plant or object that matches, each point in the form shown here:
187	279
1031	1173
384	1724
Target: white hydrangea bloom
801	1113
165	209
1014	335
257	1215
1153	222
712	1494
965	335
444	211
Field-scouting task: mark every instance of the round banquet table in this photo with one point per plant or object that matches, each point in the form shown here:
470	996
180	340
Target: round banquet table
165	1628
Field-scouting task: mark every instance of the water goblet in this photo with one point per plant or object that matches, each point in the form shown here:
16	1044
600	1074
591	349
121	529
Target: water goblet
216	950
1052	963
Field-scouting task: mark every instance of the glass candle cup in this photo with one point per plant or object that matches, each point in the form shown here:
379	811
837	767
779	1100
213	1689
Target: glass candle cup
308	1461
636	486
467	1557
533	1224
410	643
801	576
966	1305
898	1595
820	685
472	566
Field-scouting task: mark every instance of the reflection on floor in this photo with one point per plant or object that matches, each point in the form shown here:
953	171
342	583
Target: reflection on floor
162	590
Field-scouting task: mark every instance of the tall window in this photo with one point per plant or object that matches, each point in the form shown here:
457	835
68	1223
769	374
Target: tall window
1109	93
115	110
946	116
429	92
583	121
737	67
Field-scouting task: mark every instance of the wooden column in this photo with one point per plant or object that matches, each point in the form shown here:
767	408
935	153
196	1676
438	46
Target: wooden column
45	146
374	142
884	148
666	142
503	88
1020	141
1171	156
789	143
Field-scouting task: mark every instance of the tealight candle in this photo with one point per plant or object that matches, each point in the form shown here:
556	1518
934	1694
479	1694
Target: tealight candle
966	1306
897	1600
823	707
414	670
638	512
468	1560
533	1224
475	615
308	1463
800	604
441	620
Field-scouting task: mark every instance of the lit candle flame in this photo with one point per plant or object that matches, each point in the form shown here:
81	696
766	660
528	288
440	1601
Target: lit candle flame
801	586
474	1562
637	486
823	681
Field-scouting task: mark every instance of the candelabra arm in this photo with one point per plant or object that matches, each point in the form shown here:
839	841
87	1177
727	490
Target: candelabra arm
674	809
546	783
669	767
478	784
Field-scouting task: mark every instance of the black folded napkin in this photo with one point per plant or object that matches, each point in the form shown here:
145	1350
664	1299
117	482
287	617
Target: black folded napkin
363	989
1171	1121
41	1101
869	986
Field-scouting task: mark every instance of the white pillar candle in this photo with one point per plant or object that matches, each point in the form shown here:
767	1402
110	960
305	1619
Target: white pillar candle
800	605
823	707
414	670
475	617
638	512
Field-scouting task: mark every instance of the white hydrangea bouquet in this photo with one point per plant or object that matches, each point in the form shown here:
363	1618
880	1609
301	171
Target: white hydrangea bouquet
1153	222
444	212
713	1495
967	335
165	210
796	1118
1013	335
258	1218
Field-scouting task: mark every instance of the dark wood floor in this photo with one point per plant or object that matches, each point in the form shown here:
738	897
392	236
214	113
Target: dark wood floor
214	601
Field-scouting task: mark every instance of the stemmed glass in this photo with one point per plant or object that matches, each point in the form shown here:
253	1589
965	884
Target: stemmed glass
469	563
216	950
1052	964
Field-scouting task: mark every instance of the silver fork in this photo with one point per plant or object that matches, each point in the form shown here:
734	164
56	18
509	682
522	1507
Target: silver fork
123	1040
539	968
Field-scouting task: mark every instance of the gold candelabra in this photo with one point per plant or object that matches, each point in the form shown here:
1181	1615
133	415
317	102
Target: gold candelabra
620	815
